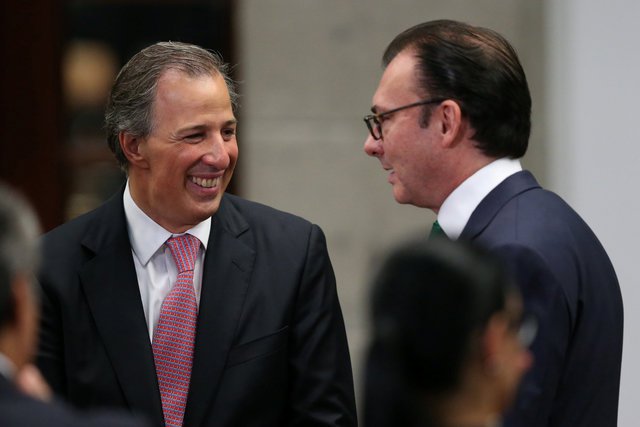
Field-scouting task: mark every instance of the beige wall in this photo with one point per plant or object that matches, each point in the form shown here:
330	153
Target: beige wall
309	69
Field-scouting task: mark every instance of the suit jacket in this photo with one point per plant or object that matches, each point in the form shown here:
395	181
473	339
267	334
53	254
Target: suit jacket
569	284
20	410
270	346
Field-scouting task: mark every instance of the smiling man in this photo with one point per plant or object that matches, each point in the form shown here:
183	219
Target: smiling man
176	300
451	117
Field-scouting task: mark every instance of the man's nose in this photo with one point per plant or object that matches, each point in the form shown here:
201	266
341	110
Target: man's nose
373	147
216	153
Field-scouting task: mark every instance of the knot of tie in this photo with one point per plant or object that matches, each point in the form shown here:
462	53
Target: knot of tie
184	250
437	231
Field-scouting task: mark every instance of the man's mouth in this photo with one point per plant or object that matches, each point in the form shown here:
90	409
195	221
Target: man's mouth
205	182
390	174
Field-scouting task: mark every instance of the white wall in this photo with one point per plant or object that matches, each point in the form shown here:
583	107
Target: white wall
594	151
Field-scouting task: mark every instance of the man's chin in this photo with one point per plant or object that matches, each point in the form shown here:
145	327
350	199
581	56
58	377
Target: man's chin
207	210
400	197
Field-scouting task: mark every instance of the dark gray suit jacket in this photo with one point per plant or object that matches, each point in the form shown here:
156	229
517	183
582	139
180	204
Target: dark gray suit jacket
270	343
569	284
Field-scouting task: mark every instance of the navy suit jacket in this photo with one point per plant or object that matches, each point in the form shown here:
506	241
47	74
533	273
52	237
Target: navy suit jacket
20	410
270	343
569	284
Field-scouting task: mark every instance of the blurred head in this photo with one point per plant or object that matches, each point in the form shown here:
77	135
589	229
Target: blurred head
452	98
171	124
447	319
19	256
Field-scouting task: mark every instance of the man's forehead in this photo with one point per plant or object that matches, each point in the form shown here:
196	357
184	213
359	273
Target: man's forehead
399	79
173	82
171	76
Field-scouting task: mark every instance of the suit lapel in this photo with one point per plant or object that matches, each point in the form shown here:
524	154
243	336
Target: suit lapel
228	265
110	284
495	200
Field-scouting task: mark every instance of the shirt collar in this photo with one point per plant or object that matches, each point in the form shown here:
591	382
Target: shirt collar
460	204
147	236
7	367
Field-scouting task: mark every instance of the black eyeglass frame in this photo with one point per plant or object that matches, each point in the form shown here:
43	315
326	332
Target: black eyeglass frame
374	119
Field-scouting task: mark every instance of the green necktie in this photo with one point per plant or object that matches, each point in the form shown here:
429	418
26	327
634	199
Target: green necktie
437	231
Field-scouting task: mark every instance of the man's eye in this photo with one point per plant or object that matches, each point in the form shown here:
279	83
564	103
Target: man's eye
194	137
228	133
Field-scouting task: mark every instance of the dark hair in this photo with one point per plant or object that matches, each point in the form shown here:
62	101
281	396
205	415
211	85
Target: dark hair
19	230
480	70
130	104
430	300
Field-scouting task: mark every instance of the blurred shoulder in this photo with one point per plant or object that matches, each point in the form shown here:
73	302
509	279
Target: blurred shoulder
17	409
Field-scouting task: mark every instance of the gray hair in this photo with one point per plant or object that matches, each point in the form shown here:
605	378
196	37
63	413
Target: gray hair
19	247
130	104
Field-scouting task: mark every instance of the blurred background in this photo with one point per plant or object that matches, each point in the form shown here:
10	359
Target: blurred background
307	70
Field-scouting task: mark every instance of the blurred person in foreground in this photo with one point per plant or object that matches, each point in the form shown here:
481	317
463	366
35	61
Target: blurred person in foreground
24	395
177	300
448	330
451	117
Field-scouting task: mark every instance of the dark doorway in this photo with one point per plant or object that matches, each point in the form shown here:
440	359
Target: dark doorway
62	59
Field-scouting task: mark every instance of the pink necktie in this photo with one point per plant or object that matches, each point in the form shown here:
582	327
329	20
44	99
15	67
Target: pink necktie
175	333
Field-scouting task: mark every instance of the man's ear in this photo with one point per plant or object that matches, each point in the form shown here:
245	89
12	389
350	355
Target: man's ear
132	148
451	122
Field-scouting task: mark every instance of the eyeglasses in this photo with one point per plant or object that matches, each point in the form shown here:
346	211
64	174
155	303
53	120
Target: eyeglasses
373	121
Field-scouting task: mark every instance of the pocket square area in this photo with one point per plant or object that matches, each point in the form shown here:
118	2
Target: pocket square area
259	347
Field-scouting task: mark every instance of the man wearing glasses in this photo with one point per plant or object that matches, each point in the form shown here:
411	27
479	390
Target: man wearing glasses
450	119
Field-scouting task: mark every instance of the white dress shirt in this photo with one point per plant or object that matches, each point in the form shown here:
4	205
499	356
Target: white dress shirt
155	267
460	204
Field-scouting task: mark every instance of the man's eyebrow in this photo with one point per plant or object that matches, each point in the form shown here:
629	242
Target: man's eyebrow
374	109
204	127
191	128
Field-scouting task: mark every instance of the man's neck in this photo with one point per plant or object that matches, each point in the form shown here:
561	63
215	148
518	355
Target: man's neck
474	403
459	205
137	195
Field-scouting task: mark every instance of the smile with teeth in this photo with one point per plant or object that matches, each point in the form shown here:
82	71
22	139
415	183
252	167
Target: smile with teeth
205	183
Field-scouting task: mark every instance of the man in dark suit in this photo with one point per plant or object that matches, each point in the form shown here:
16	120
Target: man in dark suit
23	392
451	118
269	346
